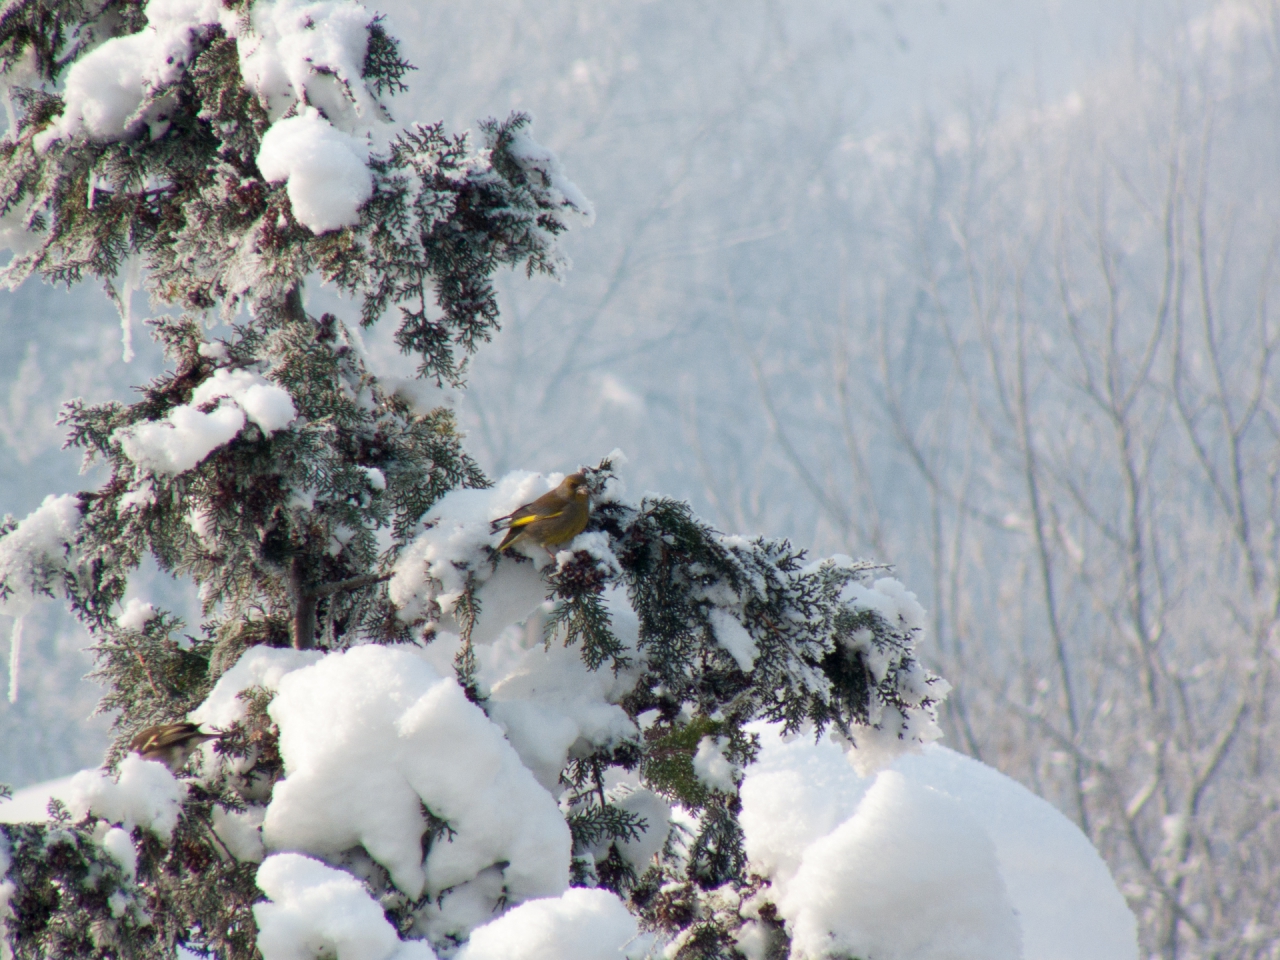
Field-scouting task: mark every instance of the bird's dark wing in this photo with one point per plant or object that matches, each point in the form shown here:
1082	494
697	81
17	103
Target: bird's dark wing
546	506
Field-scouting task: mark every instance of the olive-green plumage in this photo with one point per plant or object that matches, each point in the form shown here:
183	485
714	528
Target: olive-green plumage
551	520
170	743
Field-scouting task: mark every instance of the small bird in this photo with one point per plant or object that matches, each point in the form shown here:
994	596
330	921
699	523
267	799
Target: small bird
554	518
170	743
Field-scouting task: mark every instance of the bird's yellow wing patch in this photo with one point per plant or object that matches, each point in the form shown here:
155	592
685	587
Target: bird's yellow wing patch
521	521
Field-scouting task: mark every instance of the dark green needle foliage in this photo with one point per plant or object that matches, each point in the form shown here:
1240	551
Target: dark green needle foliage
270	467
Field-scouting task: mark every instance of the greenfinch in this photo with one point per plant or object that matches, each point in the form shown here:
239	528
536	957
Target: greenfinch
169	743
551	520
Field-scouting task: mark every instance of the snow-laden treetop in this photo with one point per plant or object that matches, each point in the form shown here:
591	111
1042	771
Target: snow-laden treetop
237	149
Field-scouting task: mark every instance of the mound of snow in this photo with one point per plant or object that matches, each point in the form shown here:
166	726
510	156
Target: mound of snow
369	737
904	863
315	910
145	794
188	434
578	925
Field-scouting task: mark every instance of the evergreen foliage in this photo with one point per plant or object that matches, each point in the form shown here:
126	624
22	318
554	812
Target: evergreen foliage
274	470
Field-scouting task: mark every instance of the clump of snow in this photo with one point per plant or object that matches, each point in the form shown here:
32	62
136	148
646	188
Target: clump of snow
316	910
549	703
187	434
31	804
213	350
136	615
119	845
578	925
733	636
712	767
931	828
265	403
182	439
372	734
436	565
909	875
895	734
145	795
257	667
889	598
309	52
36	552
107	88
594	544
326	169
656	812
306	59
241	832
891	732
290	53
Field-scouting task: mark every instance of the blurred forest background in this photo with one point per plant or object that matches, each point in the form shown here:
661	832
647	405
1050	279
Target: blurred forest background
979	288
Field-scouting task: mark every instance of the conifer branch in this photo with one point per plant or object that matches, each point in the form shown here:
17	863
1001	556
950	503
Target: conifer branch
351	583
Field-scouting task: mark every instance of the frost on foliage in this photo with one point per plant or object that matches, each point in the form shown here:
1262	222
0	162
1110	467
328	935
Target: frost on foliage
187	433
144	794
547	176
37	552
578	925
315	910
371	736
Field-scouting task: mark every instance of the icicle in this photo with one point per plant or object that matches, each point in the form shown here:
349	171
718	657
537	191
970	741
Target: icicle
124	305
15	657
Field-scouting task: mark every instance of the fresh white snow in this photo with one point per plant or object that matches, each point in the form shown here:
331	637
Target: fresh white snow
882	862
326	170
36	551
316	910
368	737
187	434
578	925
144	794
